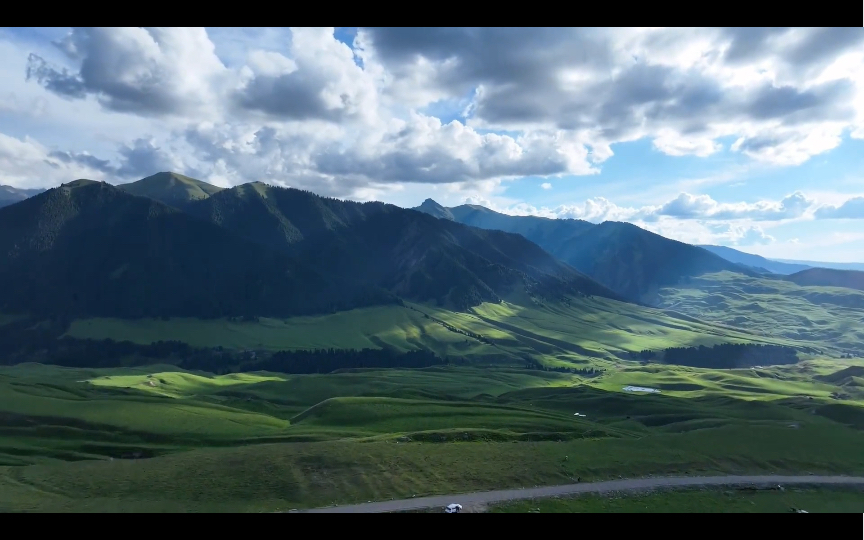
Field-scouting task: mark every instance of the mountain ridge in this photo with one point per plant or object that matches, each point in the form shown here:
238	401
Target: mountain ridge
10	195
171	188
829	277
329	232
755	261
88	248
630	260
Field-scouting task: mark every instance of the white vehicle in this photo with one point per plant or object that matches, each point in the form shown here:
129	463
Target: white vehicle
453	508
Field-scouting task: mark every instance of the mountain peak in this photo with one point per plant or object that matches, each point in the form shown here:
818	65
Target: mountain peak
171	188
434	209
81	182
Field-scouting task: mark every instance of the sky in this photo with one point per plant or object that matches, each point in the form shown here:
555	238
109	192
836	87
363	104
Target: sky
751	138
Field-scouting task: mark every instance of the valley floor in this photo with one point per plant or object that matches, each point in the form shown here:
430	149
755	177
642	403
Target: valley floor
161	439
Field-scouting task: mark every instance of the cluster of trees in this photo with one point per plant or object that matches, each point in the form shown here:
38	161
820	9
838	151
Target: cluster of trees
20	342
729	356
645	354
530	363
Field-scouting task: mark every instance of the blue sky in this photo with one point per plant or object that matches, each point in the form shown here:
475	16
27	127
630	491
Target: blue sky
751	138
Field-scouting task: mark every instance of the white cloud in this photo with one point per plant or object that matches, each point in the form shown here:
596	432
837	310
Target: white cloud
684	207
695	219
742	235
24	163
779	90
704	207
450	112
138	70
350	119
851	209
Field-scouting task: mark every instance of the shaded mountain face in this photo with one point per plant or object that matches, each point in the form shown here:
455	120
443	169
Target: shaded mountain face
171	188
409	253
90	249
10	195
631	261
756	262
637	263
828	277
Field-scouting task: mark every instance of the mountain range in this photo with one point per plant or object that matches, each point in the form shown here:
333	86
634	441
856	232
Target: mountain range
629	260
757	262
189	249
170	245
10	195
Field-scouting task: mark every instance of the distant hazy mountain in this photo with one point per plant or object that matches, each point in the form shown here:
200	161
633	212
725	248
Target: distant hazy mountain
829	277
10	195
629	260
755	261
817	264
171	188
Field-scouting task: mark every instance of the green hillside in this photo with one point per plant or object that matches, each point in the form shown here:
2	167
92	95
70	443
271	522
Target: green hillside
171	188
826	277
586	330
829	318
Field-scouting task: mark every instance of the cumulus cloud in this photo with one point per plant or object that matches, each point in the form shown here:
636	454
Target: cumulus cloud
546	185
851	209
83	159
144	157
140	70
25	163
319	80
741	235
299	107
689	206
685	206
693	231
684	88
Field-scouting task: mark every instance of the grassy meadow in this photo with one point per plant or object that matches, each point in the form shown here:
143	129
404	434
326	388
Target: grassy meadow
729	500
588	330
268	441
158	438
829	318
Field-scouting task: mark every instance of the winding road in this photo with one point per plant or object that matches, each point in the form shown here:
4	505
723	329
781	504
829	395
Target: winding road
635	484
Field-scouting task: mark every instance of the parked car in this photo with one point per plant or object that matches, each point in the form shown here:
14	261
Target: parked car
453	508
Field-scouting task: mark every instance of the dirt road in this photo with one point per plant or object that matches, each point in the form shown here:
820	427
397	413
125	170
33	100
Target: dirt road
636	484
